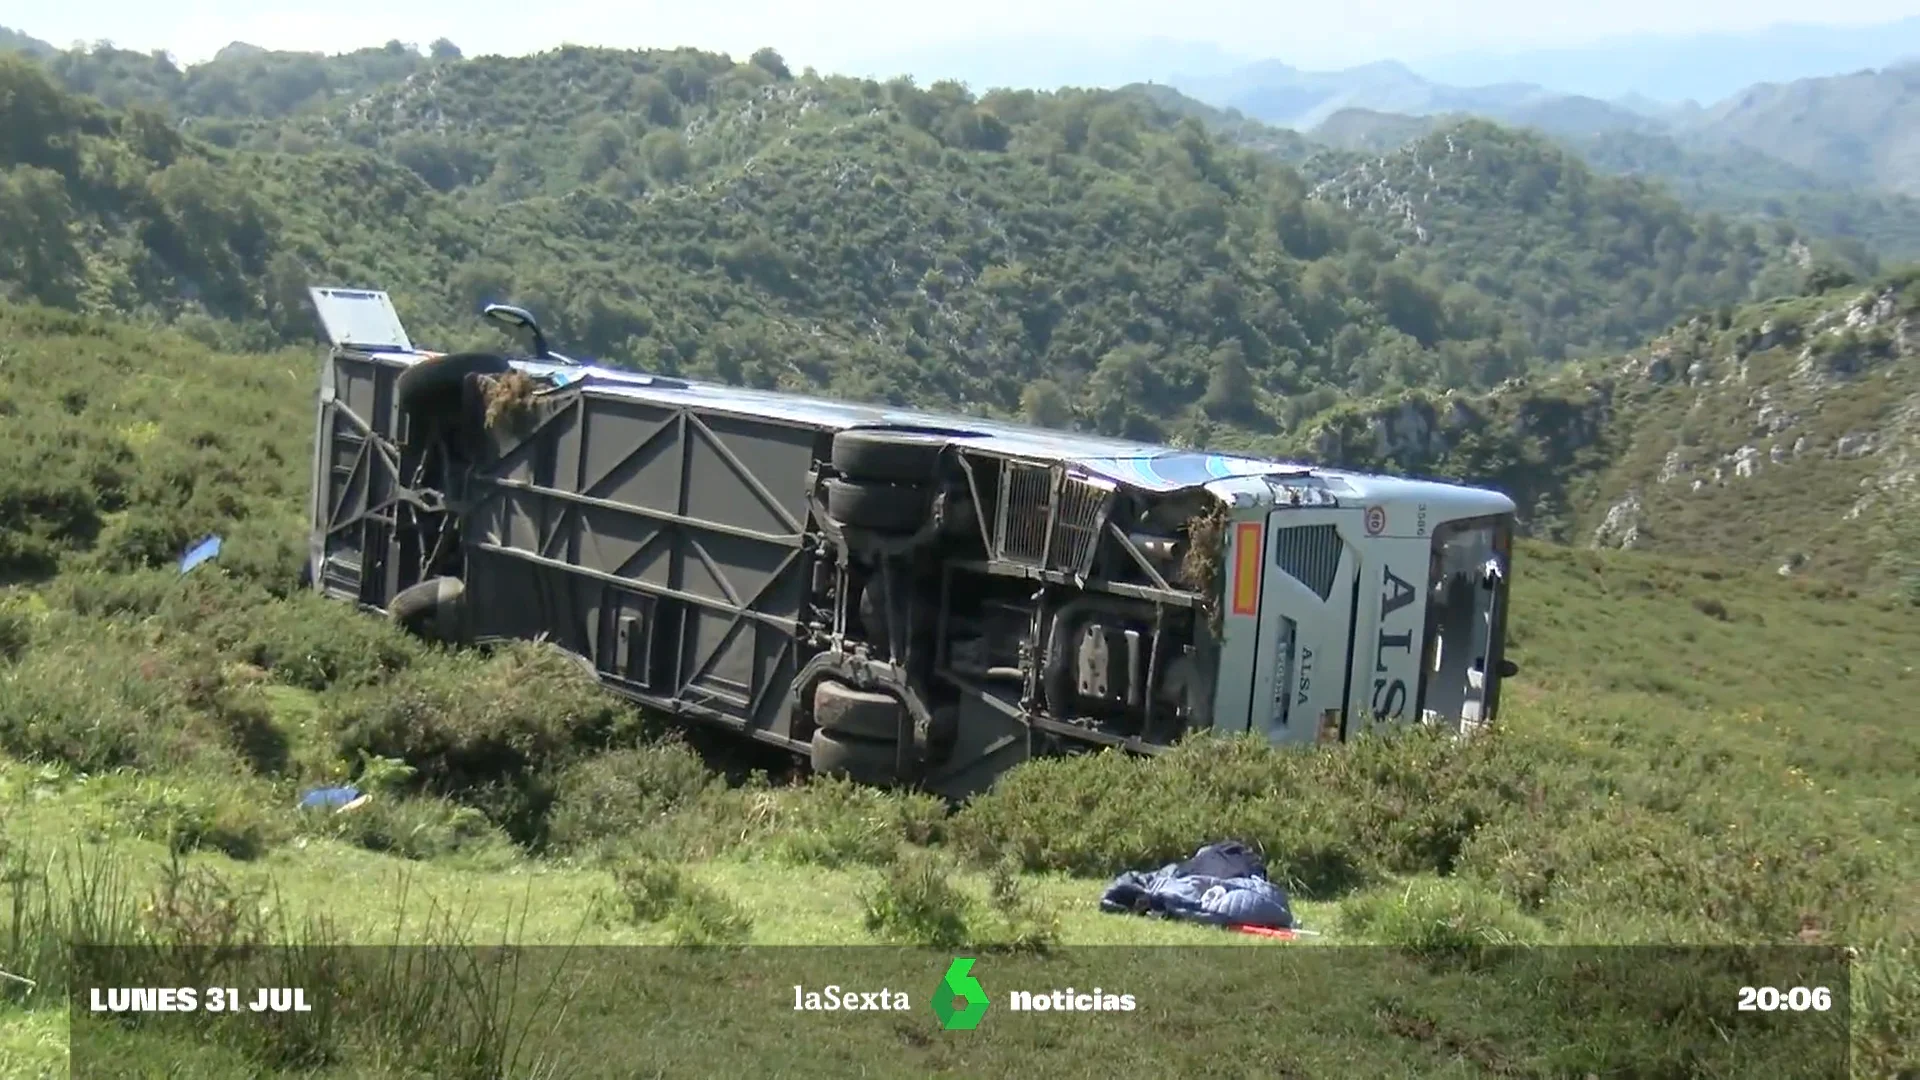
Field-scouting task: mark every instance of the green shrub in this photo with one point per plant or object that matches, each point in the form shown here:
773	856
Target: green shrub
653	890
915	902
100	594
266	552
836	822
649	886
245	715
492	733
1762	879
413	828
1437	915
142	538
92	707
1027	925
304	639
315	643
1324	820
624	791
708	917
190	813
16	631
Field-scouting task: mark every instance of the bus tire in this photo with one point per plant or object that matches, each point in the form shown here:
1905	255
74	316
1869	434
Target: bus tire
866	761
890	508
435	386
432	609
842	711
897	457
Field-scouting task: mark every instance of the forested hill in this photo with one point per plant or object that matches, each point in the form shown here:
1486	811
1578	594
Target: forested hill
1730	179
1088	257
240	81
1579	260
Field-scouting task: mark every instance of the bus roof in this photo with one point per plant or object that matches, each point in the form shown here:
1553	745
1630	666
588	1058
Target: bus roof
1148	466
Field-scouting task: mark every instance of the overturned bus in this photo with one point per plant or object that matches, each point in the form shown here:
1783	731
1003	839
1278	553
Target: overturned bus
902	597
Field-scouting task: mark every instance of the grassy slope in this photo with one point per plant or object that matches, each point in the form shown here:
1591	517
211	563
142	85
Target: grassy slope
1691	754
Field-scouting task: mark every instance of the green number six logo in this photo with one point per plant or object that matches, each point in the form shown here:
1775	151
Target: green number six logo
961	1001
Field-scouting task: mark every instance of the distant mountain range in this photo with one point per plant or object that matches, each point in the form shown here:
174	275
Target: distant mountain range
1838	153
1649	74
1858	130
1287	96
1861	129
1696	67
1839	104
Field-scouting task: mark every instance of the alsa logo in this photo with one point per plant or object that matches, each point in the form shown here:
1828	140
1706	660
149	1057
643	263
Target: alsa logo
1394	642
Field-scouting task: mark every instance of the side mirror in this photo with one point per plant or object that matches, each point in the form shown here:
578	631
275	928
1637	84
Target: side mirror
513	318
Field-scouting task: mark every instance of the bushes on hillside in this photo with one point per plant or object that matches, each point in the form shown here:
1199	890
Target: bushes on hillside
16	630
622	792
651	890
1326	820
304	640
492	733
100	697
916	903
94	707
1438	915
312	642
189	813
418	828
835	822
123	446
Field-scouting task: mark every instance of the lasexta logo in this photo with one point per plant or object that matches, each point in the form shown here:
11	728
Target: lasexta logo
960	1001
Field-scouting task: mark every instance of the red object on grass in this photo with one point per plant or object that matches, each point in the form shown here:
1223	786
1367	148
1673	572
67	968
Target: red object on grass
1266	931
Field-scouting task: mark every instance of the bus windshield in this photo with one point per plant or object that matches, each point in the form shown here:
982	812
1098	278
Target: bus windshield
1462	658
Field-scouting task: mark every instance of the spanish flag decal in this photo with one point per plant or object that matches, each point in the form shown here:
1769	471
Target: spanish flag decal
1247	550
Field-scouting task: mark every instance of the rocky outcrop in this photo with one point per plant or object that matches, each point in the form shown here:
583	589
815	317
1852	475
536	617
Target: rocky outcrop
1620	527
1720	408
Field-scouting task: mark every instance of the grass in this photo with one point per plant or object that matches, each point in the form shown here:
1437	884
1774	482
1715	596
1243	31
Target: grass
1691	754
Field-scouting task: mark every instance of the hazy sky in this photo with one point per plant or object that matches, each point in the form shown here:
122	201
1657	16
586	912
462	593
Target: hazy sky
854	35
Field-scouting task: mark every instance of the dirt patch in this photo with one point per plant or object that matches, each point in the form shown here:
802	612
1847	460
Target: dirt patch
509	400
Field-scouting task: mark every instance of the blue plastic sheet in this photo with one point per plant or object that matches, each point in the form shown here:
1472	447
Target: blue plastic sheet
316	798
198	552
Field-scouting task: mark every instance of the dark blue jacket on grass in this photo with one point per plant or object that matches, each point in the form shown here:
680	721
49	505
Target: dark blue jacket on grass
1225	884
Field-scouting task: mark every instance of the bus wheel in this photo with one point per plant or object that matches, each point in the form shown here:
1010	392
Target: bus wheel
891	508
866	761
840	710
900	457
433	609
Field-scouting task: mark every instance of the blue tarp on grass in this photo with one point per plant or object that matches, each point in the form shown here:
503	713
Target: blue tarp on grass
1224	884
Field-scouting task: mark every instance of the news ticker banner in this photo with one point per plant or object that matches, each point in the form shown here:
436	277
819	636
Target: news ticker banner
1284	1009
